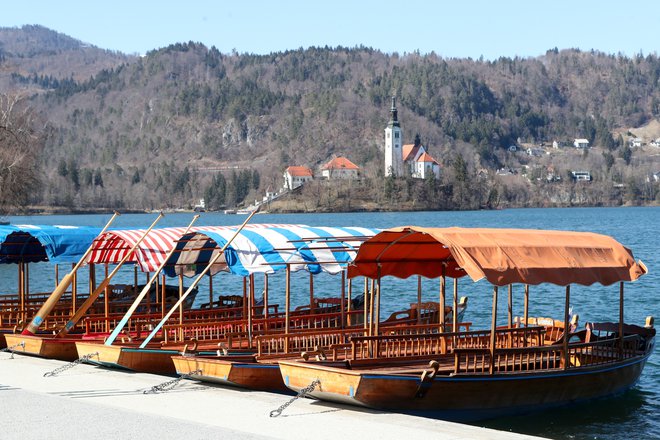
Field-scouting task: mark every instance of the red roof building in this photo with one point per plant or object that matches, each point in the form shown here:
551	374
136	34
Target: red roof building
340	168
295	176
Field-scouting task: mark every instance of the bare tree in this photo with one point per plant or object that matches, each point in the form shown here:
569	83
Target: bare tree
20	144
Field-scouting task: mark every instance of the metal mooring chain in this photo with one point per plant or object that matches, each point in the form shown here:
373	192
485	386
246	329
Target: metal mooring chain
65	367
13	347
308	389
166	386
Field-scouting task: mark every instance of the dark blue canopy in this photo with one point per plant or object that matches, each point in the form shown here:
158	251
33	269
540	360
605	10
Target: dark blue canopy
34	243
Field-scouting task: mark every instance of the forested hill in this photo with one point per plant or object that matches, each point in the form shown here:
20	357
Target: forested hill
172	126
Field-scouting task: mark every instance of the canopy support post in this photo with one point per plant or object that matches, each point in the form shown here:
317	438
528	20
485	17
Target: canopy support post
372	297
621	320
266	303
27	287
526	317
567	326
135	278
343	299
454	327
493	328
443	287
510	306
245	302
365	310
287	304
251	311
181	306
148	296
106	293
162	297
311	293
210	290
377	320
251	295
21	291
419	299
349	304
74	292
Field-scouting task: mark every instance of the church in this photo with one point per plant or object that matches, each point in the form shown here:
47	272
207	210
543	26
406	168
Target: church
406	160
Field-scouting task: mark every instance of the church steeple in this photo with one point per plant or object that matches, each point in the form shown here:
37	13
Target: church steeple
394	120
393	144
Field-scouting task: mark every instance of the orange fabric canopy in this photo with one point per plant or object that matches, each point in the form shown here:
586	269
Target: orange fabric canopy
502	256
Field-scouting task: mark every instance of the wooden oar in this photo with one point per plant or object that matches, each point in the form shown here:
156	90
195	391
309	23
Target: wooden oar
144	291
197	280
101	287
61	287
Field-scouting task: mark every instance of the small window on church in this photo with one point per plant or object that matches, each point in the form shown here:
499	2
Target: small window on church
388	135
396	135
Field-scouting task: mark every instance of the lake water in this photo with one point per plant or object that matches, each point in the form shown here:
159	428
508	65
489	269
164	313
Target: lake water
634	413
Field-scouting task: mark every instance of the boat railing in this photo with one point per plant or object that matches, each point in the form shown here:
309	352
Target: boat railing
100	324
545	357
17	318
217	329
335	341
428	344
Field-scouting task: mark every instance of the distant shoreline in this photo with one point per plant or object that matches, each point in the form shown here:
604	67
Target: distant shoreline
45	211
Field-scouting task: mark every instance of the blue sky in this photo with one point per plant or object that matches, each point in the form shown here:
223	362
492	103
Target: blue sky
467	28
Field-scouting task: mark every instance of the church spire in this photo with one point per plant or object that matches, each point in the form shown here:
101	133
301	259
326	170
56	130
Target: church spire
394	120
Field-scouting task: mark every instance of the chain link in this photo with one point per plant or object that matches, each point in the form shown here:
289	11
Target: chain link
12	348
167	386
70	365
308	389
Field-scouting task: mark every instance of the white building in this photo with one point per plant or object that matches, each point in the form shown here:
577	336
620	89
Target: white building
581	143
296	176
409	159
418	162
340	168
393	142
581	175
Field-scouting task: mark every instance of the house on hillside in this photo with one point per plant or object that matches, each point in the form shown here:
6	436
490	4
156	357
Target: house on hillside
581	176
655	143
535	152
636	142
581	143
295	176
340	168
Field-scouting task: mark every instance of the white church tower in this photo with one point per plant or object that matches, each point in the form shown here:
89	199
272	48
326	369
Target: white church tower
393	145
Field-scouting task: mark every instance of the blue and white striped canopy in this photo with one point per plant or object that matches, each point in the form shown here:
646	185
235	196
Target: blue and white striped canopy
34	243
268	249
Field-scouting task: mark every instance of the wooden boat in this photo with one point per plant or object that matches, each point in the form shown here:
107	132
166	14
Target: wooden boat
260	371
22	245
477	374
277	247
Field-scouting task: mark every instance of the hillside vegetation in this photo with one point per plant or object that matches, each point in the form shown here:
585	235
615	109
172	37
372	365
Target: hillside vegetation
186	121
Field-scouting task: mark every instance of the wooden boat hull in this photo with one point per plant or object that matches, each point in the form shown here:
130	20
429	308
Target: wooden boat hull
462	397
46	346
132	358
260	376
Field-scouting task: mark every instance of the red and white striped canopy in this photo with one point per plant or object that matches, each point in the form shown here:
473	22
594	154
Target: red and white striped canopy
113	246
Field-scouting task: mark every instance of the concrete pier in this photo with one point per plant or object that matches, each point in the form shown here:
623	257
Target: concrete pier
91	402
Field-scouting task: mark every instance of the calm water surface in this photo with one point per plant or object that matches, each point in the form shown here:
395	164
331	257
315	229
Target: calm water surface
634	413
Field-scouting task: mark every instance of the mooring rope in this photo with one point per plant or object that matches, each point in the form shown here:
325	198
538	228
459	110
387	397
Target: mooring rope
65	367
